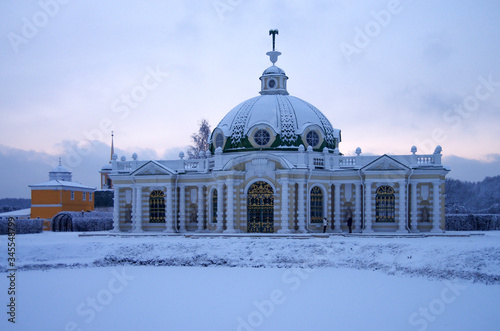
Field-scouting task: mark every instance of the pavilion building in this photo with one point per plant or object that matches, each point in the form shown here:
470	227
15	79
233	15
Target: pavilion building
274	166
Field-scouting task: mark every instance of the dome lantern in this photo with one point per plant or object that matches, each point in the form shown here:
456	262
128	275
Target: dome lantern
60	173
273	79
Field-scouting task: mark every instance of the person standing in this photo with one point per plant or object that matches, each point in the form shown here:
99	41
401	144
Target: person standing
349	219
325	224
349	224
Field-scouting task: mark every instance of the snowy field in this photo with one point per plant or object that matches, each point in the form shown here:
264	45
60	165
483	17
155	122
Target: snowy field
66	282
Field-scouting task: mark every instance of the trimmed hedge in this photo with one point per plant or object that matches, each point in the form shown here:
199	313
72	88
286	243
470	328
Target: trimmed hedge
24	225
470	222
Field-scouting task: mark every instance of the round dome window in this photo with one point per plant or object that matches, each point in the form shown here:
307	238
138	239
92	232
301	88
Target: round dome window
262	137
312	138
272	83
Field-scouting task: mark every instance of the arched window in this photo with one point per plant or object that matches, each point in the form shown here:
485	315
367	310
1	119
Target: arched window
219	140
157	207
214	206
316	205
385	204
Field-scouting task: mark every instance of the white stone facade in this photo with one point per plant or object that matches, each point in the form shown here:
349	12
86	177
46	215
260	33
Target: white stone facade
346	183
274	165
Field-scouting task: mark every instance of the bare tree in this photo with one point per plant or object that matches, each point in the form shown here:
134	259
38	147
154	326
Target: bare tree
200	140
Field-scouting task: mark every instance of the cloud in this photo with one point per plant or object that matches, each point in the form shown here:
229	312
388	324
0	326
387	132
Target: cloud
21	168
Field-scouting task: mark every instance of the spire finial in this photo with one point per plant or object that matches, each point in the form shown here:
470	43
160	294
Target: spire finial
273	55
112	147
274	33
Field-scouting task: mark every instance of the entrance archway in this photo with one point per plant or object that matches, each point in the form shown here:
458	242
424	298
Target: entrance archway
260	208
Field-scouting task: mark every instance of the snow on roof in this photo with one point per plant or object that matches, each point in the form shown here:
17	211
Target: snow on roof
268	109
60	168
18	213
273	70
107	167
62	183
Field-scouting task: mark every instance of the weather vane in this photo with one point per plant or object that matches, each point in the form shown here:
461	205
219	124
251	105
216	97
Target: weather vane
274	33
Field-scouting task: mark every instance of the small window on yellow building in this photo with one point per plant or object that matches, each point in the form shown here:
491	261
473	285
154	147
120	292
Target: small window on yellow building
90	196
84	195
72	195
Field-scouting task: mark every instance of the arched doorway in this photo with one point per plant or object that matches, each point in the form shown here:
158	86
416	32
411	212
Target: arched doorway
384	204
157	207
260	208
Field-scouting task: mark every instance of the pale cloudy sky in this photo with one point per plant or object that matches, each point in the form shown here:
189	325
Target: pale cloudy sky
389	74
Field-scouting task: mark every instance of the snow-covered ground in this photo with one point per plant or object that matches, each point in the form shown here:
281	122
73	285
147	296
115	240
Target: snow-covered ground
68	282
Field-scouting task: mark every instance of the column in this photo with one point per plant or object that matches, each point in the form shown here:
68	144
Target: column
284	207
137	221
116	210
414	210
301	216
357	208
199	221
169	212
182	208
230	207
220	206
435	209
368	208
402	208
329	208
337	222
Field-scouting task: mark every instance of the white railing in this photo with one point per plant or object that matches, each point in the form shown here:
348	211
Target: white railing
347	162
193	165
319	162
425	160
125	165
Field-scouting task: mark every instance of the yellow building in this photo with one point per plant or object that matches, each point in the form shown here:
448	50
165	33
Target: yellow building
60	194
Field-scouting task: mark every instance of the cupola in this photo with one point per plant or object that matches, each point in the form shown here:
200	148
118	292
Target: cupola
273	79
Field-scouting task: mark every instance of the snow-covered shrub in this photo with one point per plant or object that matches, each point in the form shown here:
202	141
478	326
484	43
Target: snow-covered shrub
24	225
82	221
478	222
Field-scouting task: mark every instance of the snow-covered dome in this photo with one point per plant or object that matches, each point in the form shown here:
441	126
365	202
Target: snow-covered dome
274	120
60	173
273	70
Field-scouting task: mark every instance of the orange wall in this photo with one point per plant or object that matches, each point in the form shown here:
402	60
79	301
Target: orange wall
55	197
45	212
44	197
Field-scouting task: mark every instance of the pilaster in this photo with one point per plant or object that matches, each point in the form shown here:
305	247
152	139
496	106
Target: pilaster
182	208
137	222
169	215
220	206
301	216
368	208
230	207
116	210
284	207
436	208
199	221
337	222
414	208
357	208
402	207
